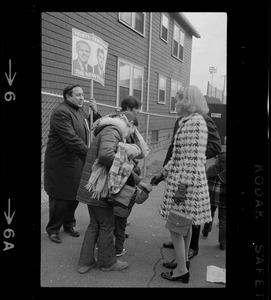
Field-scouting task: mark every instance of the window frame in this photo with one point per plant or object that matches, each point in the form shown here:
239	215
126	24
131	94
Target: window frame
180	31
131	79
158	93
179	85
161	27
132	26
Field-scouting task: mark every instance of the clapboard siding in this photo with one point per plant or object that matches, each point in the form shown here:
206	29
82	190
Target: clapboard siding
124	43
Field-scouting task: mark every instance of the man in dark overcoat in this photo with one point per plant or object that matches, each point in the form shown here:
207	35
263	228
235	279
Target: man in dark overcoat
64	159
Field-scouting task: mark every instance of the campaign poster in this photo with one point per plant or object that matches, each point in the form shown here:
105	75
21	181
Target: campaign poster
89	54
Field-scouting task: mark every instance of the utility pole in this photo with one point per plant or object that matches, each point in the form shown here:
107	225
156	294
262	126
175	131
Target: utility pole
212	70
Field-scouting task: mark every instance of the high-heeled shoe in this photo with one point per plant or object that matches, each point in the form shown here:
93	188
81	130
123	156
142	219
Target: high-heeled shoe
168	275
172	264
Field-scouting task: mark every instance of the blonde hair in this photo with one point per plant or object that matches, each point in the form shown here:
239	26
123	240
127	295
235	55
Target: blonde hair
193	100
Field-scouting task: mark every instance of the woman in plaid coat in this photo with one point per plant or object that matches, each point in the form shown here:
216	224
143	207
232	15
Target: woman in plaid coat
186	183
216	175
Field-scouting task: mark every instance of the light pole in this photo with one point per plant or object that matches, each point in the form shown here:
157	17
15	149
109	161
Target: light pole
212	70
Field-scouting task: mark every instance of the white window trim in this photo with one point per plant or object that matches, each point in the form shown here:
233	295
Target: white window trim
131	27
177	57
181	85
158	101
131	81
166	41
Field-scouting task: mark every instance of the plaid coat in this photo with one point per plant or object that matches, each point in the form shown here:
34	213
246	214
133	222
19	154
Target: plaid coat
217	190
216	175
187	166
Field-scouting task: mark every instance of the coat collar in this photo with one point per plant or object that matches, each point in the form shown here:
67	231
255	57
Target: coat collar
106	121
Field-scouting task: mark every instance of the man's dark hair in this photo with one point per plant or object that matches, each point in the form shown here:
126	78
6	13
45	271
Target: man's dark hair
100	50
130	102
68	90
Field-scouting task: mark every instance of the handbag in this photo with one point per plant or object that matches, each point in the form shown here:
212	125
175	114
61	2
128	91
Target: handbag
123	197
179	222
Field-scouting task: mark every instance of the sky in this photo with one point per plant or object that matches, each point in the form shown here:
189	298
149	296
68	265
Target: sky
209	50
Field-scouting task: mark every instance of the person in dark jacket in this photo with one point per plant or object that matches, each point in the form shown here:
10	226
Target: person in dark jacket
64	158
131	103
216	176
108	133
213	148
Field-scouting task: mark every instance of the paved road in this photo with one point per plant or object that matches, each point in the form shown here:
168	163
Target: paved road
144	252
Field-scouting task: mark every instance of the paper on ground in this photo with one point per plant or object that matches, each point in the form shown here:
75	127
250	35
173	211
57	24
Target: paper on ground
215	274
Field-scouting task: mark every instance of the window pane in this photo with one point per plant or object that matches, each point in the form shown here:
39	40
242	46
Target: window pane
181	52
161	96
137	79
179	86
137	93
162	83
173	88
124	76
164	20
181	38
176	34
175	48
123	92
172	103
139	22
164	33
126	17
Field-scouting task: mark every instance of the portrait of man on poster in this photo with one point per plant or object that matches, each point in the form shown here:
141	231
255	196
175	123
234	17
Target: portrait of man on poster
83	51
99	68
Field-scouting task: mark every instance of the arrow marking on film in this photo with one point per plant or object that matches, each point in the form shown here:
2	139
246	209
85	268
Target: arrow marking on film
9	78
8	217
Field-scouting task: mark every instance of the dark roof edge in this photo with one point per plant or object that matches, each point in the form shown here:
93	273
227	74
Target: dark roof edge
188	24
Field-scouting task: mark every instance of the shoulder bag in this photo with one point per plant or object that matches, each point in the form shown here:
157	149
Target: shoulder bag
123	197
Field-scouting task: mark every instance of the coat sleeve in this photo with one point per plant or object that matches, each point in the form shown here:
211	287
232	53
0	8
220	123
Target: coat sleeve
214	142
62	124
108	146
170	148
192	149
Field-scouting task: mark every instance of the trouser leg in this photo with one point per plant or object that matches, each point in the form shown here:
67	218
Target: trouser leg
106	246
194	244
119	232
69	220
222	225
208	226
57	212
90	239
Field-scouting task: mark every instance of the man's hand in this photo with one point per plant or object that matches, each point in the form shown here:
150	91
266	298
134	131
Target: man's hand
93	105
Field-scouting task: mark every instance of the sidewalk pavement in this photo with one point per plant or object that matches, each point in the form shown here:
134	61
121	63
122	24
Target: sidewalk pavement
144	251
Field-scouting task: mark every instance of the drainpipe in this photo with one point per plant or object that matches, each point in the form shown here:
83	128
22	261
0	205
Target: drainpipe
148	92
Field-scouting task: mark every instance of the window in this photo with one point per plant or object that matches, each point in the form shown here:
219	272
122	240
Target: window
164	27
134	20
154	136
175	86
162	85
178	43
130	80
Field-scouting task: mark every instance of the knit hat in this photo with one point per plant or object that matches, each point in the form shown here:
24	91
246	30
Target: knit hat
131	116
